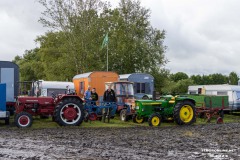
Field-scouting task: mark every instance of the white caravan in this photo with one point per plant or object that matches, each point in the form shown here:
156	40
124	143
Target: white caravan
232	91
46	88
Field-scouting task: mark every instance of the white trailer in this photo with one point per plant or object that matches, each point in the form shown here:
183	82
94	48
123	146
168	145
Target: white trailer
46	88
232	91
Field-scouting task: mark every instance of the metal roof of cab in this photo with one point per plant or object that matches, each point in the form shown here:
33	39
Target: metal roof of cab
85	75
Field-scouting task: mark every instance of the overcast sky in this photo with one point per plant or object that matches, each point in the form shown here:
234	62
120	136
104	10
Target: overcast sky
202	36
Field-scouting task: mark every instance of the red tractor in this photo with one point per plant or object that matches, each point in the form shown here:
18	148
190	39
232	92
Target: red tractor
65	109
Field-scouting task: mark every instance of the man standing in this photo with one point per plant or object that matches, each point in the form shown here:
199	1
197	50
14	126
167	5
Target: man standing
109	95
94	95
87	94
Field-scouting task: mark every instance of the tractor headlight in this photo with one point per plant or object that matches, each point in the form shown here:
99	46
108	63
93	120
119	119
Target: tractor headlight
143	110
137	107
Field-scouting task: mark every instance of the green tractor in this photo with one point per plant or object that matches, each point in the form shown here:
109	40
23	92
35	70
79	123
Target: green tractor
180	109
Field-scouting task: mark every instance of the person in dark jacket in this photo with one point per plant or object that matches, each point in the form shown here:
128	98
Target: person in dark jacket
109	95
94	95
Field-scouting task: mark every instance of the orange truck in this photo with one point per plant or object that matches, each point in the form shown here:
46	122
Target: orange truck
95	79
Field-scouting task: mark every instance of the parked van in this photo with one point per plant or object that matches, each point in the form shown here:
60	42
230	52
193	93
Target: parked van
232	91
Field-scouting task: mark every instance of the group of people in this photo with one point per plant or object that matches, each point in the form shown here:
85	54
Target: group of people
108	96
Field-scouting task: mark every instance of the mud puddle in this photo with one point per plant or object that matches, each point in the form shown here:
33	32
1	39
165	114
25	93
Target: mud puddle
181	142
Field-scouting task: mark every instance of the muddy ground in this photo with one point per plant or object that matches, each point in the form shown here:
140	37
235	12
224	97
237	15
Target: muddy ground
210	141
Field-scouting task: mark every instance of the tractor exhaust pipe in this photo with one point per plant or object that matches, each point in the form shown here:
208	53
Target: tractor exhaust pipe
154	95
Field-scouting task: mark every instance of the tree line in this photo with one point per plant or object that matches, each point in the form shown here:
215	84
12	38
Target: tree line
76	32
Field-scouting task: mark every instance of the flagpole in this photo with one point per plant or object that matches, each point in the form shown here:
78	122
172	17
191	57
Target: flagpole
107	57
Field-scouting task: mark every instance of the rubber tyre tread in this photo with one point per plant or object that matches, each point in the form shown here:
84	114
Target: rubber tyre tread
176	113
154	115
61	105
134	119
124	111
19	115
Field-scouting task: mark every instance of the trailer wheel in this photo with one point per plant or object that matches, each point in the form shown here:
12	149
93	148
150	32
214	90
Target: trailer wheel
23	120
123	115
137	119
69	112
221	113
219	120
154	120
184	113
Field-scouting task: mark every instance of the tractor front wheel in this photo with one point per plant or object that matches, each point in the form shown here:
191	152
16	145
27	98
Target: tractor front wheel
123	115
23	120
184	113
154	120
69	112
137	119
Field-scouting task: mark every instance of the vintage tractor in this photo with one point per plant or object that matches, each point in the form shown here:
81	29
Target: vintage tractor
66	109
180	109
125	98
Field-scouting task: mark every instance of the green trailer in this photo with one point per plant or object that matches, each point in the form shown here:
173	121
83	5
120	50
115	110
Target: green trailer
180	109
208	106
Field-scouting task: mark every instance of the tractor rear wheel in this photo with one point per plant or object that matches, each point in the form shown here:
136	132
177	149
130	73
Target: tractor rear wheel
123	115
69	112
154	120
184	113
23	120
137	119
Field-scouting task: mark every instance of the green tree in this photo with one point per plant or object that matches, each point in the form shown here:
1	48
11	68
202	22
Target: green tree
55	57
197	79
160	80
218	78
30	65
134	45
233	78
182	86
178	76
79	21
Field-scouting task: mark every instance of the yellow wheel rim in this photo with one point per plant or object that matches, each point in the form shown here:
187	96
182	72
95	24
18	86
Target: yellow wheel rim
155	121
139	119
186	113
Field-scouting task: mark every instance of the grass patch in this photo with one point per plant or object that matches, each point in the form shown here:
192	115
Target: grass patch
48	123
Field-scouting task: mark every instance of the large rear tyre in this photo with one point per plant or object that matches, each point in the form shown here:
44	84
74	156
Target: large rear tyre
23	120
184	113
154	120
137	119
123	115
69	112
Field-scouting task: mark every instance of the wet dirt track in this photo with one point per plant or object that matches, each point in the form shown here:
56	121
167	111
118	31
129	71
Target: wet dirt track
181	142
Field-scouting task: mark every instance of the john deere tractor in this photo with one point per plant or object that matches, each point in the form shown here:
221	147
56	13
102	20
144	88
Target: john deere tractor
180	109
